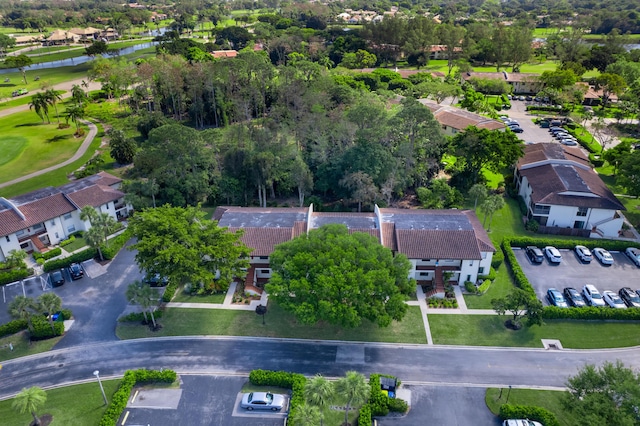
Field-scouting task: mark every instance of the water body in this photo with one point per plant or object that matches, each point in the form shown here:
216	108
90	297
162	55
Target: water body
81	59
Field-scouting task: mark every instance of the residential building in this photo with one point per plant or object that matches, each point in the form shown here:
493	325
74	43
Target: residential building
564	194
437	242
521	83
455	120
42	218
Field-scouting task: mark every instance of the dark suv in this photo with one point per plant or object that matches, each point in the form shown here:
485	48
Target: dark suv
57	278
630	297
75	271
534	254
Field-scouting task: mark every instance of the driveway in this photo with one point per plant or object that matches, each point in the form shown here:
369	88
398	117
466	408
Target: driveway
532	132
445	405
571	272
204	400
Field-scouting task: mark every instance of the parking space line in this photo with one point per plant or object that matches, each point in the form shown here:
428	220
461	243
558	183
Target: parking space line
124	420
134	397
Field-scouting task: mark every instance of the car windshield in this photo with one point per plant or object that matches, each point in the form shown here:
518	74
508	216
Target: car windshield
596	296
269	397
616	299
634	298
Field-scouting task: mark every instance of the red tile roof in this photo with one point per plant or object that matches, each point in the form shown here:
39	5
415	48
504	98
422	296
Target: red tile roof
95	196
263	240
35	212
458	118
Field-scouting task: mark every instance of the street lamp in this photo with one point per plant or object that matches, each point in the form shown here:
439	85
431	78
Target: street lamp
97	374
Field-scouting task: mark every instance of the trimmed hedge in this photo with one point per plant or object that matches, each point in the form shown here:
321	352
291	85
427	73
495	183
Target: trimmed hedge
611	245
42	328
519	278
597	162
591	313
497	259
364	415
491	276
67	241
78	257
14	275
282	379
13	327
484	286
115	245
139	316
121	396
539	414
169	291
48	254
379	403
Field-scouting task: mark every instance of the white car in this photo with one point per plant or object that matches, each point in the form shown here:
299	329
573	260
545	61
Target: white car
613	300
583	254
634	255
520	422
262	401
592	296
552	254
603	256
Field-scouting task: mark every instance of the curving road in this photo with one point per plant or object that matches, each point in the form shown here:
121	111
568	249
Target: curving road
469	366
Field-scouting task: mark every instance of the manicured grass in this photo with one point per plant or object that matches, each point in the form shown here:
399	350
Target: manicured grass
183	297
54	178
22	346
506	222
189	322
500	287
71	405
489	330
42	145
551	400
78	243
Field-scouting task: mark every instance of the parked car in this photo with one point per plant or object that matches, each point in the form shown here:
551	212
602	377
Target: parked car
568	142
534	254
155	280
584	254
573	297
634	255
552	254
630	297
262	401
516	129
603	256
520	422
75	271
57	278
613	300
556	299
592	295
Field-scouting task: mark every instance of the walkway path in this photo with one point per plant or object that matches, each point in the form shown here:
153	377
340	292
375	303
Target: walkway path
227	304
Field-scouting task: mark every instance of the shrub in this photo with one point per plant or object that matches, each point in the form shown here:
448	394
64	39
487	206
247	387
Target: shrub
14	275
12	327
378	401
470	287
398	405
66	314
115	245
121	396
170	291
611	245
491	276
497	259
597	161
78	257
519	277
591	313
48	255
42	328
364	416
539	414
532	225
139	316
484	286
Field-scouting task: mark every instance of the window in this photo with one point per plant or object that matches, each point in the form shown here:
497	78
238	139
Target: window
37	226
71	229
24	245
481	270
264	257
20	232
424	274
265	271
426	260
67	216
468	277
582	211
53	222
57	236
8	239
471	263
538	209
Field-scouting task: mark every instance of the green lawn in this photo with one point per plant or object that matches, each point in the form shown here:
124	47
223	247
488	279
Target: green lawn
50	76
54	178
71	405
551	400
207	298
500	287
506	222
22	346
190	322
78	243
489	330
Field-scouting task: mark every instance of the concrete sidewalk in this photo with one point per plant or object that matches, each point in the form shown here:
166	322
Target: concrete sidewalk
226	304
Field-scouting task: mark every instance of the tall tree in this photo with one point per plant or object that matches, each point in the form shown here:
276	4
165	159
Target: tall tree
123	149
604	395
78	94
489	206
451	36
75	113
354	388
306	415
23	308
478	193
30	400
140	294
40	105
520	304
52	96
340	278
629	173
6	42
319	392
102	225
361	188
49	303
180	244
21	62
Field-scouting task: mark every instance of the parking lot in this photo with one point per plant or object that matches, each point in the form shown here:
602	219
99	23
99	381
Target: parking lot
532	132
571	272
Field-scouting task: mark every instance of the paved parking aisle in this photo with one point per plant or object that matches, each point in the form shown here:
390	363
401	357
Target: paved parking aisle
571	272
202	400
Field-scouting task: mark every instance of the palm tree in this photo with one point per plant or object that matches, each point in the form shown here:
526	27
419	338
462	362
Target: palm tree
306	415
355	389
50	303
75	113
77	94
29	401
319	392
145	296
53	97
134	293
94	238
40	105
23	308
88	213
491	205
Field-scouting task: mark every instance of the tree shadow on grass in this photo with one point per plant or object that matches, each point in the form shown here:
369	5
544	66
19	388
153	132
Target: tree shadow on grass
58	138
30	124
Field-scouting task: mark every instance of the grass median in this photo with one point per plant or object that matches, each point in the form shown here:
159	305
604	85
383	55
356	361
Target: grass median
551	400
70	406
19	345
489	330
196	322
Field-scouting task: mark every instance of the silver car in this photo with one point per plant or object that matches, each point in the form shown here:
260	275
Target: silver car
634	255
603	256
262	401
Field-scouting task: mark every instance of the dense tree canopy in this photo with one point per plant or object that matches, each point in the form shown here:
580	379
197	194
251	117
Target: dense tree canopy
180	244
341	278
